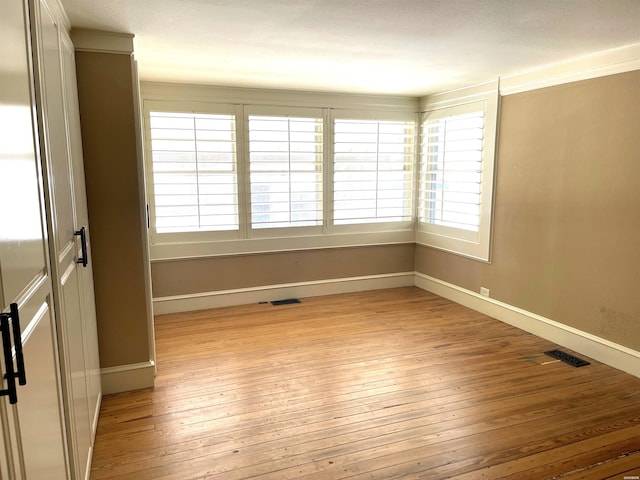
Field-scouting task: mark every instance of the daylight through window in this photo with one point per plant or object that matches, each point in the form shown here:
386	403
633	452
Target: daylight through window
373	171
285	172
194	172
285	158
451	170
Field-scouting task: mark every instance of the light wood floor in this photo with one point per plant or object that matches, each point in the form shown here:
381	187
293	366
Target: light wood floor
386	384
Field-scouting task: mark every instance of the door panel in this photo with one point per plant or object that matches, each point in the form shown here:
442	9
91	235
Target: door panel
21	233
75	360
56	135
38	408
85	278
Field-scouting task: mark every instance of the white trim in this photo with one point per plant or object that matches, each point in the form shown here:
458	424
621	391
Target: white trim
58	12
311	113
179	251
282	98
94	420
32	325
459	96
94	430
372	115
600	64
143	209
600	349
101	41
425	239
245	296
127	377
484	97
87	470
39	281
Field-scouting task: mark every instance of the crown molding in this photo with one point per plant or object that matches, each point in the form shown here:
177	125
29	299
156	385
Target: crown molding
600	64
459	96
254	96
102	41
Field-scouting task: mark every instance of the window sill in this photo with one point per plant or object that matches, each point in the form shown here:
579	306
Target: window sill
181	250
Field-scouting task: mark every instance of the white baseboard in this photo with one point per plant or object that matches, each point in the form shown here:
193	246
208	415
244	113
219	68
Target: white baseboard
245	296
127	377
600	349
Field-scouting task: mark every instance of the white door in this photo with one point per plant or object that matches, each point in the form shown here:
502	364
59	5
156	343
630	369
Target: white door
33	438
85	274
69	251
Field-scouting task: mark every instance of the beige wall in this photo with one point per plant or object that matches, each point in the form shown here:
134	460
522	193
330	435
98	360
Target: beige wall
566	233
179	277
106	96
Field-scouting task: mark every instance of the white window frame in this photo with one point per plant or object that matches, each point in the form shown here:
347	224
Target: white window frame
178	98
189	108
471	244
284	112
375	226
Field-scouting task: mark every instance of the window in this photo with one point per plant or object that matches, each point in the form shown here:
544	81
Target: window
452	170
285	162
373	171
456	175
233	171
194	172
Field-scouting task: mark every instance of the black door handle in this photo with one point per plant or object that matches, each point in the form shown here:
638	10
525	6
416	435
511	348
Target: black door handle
83	260
17	339
10	376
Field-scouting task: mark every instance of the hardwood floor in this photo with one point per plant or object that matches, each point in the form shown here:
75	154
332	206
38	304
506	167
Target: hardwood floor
385	384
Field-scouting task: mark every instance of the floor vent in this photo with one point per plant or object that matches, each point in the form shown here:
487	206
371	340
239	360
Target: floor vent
286	301
567	358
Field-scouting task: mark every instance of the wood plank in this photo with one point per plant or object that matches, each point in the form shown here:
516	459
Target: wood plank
395	383
624	467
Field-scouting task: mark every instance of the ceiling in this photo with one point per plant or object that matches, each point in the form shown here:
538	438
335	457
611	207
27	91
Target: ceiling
403	47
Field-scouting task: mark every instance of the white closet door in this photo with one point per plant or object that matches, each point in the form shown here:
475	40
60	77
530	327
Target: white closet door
67	249
32	429
86	289
22	256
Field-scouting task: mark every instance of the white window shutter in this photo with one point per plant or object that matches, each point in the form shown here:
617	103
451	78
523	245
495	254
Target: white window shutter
451	170
456	170
373	171
285	163
193	159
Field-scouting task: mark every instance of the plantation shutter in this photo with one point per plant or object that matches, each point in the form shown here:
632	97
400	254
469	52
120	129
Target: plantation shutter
285	162
451	170
193	159
373	171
